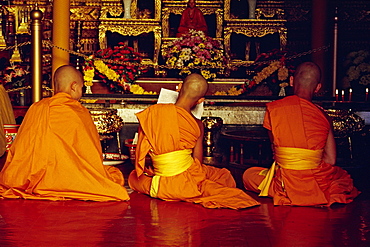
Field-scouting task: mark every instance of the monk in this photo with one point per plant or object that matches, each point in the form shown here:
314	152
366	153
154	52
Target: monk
57	153
6	117
173	137
304	171
192	18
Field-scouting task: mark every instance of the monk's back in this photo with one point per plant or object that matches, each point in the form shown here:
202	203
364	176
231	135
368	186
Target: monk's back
169	128
298	123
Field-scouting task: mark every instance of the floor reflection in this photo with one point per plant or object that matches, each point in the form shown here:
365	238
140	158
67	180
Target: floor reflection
150	222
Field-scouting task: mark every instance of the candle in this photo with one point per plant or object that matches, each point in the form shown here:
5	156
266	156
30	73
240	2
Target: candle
350	95
336	94
367	93
342	95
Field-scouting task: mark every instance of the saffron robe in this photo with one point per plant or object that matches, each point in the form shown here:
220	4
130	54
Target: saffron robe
165	128
6	116
298	123
57	155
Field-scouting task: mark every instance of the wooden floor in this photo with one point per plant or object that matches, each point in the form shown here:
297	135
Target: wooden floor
151	222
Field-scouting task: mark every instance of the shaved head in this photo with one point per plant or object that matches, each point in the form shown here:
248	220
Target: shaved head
194	87
69	80
307	77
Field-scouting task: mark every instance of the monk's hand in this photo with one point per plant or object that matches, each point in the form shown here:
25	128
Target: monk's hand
149	171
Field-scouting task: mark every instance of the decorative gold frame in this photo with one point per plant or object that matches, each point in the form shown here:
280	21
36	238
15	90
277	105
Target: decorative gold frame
255	28
268	21
130	27
115	8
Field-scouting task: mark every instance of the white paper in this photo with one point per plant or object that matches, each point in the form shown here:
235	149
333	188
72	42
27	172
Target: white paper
167	96
134	141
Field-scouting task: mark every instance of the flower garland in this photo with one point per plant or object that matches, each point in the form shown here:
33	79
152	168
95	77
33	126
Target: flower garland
137	89
233	91
89	74
271	68
118	67
105	70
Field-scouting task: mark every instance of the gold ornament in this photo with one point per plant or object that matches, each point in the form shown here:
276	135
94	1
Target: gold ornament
345	122
106	120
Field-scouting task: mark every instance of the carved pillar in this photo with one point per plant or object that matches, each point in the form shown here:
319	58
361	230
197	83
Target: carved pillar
61	32
319	34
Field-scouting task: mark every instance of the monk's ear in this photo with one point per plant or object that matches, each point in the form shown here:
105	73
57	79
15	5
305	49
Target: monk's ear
73	86
200	100
291	78
179	86
318	87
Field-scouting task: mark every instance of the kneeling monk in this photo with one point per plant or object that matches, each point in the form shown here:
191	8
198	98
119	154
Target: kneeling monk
304	172
173	137
6	117
57	152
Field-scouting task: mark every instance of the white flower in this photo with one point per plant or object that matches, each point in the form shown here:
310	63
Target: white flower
186	51
186	58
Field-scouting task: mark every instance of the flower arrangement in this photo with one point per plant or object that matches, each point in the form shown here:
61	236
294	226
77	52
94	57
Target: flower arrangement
195	52
233	91
271	68
357	66
137	89
118	67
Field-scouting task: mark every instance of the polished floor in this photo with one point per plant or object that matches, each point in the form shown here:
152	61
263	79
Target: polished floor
150	222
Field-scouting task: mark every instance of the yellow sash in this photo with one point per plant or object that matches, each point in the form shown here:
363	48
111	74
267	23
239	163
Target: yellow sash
290	158
169	164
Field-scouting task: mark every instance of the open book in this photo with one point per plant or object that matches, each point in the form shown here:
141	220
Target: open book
167	96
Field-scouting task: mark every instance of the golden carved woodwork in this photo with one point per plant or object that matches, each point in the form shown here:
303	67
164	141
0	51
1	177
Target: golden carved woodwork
88	45
269	20
270	13
112	10
115	9
84	13
227	15
254	28
130	27
127	27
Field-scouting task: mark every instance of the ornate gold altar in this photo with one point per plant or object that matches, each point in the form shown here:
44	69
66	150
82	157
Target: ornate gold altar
96	24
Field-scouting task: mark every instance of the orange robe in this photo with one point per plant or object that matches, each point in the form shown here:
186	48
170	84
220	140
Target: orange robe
57	156
166	128
298	123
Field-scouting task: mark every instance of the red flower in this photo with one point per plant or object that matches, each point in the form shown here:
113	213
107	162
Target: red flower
251	84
